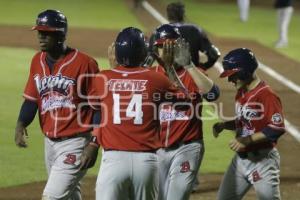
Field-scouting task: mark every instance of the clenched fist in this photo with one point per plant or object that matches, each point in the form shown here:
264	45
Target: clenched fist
218	128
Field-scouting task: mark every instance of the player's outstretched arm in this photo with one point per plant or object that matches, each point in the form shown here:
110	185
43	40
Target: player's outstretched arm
267	134
26	116
220	126
182	57
240	143
168	62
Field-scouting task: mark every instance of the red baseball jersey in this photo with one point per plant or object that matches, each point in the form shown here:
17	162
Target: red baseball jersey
256	110
61	94
130	99
179	125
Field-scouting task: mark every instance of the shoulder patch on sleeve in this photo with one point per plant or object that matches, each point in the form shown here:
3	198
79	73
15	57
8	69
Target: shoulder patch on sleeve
277	118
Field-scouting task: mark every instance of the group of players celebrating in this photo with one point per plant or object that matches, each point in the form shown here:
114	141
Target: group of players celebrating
145	114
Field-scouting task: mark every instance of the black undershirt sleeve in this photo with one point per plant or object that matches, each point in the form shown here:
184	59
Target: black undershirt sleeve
272	134
213	94
27	112
96	117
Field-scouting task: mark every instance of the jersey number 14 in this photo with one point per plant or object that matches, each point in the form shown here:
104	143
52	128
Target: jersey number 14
133	110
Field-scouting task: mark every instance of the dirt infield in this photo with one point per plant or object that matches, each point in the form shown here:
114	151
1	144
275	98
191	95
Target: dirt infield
95	42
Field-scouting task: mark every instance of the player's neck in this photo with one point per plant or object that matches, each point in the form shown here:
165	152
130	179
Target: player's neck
254	83
57	53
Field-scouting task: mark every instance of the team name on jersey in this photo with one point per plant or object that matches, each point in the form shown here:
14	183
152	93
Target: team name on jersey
53	102
127	85
171	115
56	83
246	114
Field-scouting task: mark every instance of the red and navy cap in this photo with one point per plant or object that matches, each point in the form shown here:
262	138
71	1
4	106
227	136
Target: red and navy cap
51	20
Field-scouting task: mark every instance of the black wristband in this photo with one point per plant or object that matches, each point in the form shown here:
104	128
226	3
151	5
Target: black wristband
94	139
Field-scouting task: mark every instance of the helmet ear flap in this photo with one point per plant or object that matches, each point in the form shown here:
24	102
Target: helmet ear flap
242	75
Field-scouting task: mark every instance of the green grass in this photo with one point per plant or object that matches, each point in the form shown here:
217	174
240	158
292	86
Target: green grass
18	166
222	19
217	153
111	14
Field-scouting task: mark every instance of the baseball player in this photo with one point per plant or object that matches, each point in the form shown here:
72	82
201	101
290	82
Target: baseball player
194	35
198	41
55	89
181	131
244	7
129	132
284	14
258	125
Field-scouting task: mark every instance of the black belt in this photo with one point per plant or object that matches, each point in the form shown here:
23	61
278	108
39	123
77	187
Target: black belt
179	144
244	155
69	137
142	151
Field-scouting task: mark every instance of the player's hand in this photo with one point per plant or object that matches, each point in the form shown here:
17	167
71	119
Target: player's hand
111	56
182	54
168	54
236	146
218	128
89	156
240	143
21	135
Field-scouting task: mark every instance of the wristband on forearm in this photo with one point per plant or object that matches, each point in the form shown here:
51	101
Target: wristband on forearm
94	141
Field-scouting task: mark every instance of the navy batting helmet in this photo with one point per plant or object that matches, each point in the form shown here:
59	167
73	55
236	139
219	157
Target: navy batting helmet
130	47
51	20
239	61
165	31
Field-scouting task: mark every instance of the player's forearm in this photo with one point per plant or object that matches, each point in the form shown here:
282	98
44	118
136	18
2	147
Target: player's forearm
171	73
27	113
201	80
252	139
258	137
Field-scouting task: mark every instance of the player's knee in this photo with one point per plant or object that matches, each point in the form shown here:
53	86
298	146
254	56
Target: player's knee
266	193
